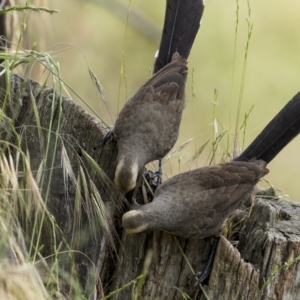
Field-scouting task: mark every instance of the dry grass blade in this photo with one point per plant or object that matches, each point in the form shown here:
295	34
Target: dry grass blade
89	200
21	282
118	290
115	195
68	172
179	148
141	281
98	85
19	198
100	89
195	156
103	216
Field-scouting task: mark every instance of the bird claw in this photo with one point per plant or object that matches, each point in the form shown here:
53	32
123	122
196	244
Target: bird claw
135	204
201	276
133	199
154	179
106	137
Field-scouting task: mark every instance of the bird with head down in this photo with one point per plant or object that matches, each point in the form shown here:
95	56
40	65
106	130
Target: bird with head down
148	125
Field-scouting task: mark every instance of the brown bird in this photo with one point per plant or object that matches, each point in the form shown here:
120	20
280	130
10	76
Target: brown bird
148	125
195	204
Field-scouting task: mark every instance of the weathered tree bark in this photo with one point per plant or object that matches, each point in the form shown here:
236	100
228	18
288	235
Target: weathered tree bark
269	246
269	240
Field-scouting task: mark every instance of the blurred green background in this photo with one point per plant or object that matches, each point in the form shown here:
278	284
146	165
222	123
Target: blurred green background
96	34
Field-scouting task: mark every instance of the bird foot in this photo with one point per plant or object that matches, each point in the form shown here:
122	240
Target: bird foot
154	178
106	137
133	199
135	204
202	276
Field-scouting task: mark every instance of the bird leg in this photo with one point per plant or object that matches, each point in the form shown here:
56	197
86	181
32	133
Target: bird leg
139	184
134	202
159	174
205	273
106	137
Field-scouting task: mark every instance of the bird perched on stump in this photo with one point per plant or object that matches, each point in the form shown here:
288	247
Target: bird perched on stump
148	125
195	204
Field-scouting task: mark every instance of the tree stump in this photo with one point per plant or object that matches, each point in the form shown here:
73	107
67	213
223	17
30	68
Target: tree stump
263	266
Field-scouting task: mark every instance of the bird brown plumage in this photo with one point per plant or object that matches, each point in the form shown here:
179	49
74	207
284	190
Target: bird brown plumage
148	125
195	204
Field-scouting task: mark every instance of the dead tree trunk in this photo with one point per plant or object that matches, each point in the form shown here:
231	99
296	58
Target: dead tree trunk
265	266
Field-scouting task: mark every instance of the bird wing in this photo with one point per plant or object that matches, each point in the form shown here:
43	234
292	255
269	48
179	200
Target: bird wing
200	200
151	118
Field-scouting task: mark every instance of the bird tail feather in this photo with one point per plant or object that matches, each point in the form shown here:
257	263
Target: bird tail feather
276	135
182	21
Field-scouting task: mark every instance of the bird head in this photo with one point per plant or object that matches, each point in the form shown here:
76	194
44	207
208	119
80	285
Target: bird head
126	173
135	221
